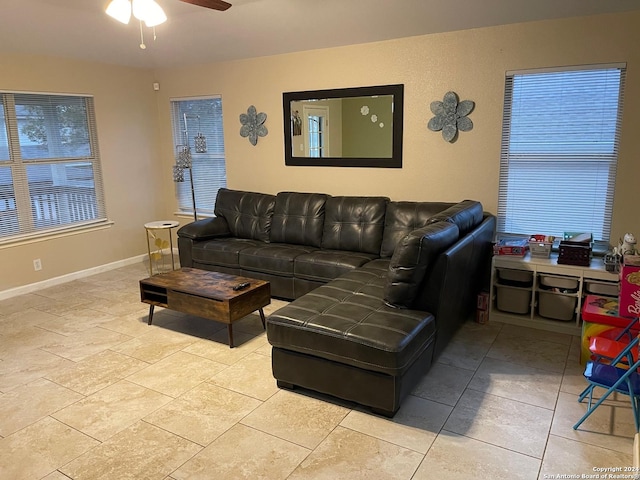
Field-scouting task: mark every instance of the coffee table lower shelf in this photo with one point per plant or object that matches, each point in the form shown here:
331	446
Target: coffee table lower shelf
206	294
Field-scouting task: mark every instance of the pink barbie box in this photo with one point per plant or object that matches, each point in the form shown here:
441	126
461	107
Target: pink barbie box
630	286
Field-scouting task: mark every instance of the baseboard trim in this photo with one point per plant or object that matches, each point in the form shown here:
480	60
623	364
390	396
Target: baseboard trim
51	282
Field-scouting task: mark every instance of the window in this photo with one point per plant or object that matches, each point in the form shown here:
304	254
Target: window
559	151
316	132
197	127
50	176
315	136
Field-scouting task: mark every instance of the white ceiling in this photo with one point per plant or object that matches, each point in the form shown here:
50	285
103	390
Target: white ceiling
251	28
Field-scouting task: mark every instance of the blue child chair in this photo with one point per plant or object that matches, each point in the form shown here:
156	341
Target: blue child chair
614	379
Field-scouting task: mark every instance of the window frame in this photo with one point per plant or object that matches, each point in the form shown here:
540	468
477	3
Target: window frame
25	202
604	163
204	192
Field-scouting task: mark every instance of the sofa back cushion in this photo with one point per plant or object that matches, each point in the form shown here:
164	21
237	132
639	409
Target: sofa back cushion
413	256
405	217
248	214
466	215
298	218
354	223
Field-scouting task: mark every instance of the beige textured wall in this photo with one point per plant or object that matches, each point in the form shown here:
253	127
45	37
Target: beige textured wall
126	114
471	63
135	131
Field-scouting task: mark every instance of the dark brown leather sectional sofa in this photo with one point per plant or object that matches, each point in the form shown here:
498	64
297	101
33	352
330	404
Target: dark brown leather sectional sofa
378	286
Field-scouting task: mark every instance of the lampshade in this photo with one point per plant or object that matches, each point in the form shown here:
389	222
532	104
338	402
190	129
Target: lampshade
120	10
178	174
147	11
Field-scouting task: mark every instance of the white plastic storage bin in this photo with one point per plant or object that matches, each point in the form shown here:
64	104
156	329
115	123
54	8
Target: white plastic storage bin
513	300
566	284
606	289
515	278
556	306
540	249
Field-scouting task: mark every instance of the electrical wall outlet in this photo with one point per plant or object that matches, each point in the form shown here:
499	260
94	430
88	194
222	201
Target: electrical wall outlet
37	265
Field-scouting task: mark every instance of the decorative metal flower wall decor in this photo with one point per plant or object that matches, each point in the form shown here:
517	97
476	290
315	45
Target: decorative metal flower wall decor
451	116
253	125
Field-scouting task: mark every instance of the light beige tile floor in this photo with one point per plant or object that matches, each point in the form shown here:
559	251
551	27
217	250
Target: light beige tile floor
88	390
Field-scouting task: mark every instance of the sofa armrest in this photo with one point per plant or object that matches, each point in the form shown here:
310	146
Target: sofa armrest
413	256
458	275
205	229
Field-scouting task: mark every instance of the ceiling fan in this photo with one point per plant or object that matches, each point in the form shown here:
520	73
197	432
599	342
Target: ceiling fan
149	12
213	4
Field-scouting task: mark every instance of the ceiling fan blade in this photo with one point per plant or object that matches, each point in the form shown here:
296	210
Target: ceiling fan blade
213	4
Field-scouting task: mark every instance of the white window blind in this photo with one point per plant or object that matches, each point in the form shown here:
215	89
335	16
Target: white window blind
199	117
50	175
560	141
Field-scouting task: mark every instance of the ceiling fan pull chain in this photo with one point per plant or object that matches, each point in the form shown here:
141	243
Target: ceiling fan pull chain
142	45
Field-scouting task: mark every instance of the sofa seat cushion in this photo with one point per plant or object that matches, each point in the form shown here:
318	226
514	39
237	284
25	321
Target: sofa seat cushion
347	321
272	258
325	265
354	224
298	218
380	266
222	251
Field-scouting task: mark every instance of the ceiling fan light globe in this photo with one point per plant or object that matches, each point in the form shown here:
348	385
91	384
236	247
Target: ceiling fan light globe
155	15
149	12
120	10
139	8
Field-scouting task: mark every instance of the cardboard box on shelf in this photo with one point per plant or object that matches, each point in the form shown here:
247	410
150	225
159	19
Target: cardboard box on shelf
517	246
630	286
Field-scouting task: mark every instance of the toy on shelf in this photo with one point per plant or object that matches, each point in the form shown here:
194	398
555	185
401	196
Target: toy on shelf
517	246
627	246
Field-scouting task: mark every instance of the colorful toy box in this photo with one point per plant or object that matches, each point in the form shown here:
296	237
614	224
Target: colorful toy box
600	317
517	246
630	286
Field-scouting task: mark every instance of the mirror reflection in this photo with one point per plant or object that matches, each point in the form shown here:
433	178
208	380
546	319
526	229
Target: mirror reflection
344	127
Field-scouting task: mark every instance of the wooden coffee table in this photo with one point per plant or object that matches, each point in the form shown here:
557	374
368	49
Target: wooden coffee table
206	294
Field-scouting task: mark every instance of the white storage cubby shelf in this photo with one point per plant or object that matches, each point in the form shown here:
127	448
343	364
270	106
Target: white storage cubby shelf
537	292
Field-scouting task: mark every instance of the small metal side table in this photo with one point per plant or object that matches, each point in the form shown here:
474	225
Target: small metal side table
161	225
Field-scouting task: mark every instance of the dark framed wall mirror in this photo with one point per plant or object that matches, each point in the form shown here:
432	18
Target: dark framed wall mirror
344	127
